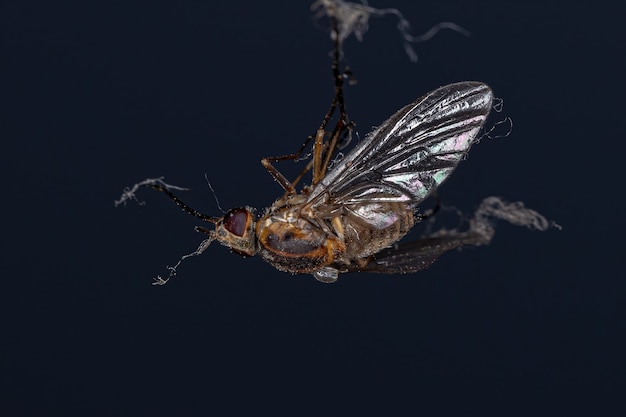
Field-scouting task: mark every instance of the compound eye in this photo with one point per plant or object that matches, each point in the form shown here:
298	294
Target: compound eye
236	221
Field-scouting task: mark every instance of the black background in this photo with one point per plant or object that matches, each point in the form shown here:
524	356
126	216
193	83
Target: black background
99	95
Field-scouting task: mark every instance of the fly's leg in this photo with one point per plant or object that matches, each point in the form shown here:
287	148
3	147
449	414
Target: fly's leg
319	166
203	245
160	185
340	138
185	207
288	186
322	151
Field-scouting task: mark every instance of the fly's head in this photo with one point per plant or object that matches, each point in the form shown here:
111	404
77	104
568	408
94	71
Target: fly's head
236	230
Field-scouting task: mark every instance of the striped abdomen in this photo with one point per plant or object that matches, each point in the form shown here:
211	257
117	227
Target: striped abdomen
364	237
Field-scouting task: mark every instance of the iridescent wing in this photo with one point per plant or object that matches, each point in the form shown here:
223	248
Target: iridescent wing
410	154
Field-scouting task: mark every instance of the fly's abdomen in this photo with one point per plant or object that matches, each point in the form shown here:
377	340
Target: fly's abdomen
365	237
296	246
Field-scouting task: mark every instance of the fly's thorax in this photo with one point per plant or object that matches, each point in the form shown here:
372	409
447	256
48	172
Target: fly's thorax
296	243
236	231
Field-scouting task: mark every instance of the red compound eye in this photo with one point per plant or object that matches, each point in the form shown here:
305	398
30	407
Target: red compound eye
236	220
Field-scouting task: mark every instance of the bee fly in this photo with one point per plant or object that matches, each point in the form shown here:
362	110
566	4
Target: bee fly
352	215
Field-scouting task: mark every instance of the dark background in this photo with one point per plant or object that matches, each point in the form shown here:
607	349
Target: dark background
99	95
